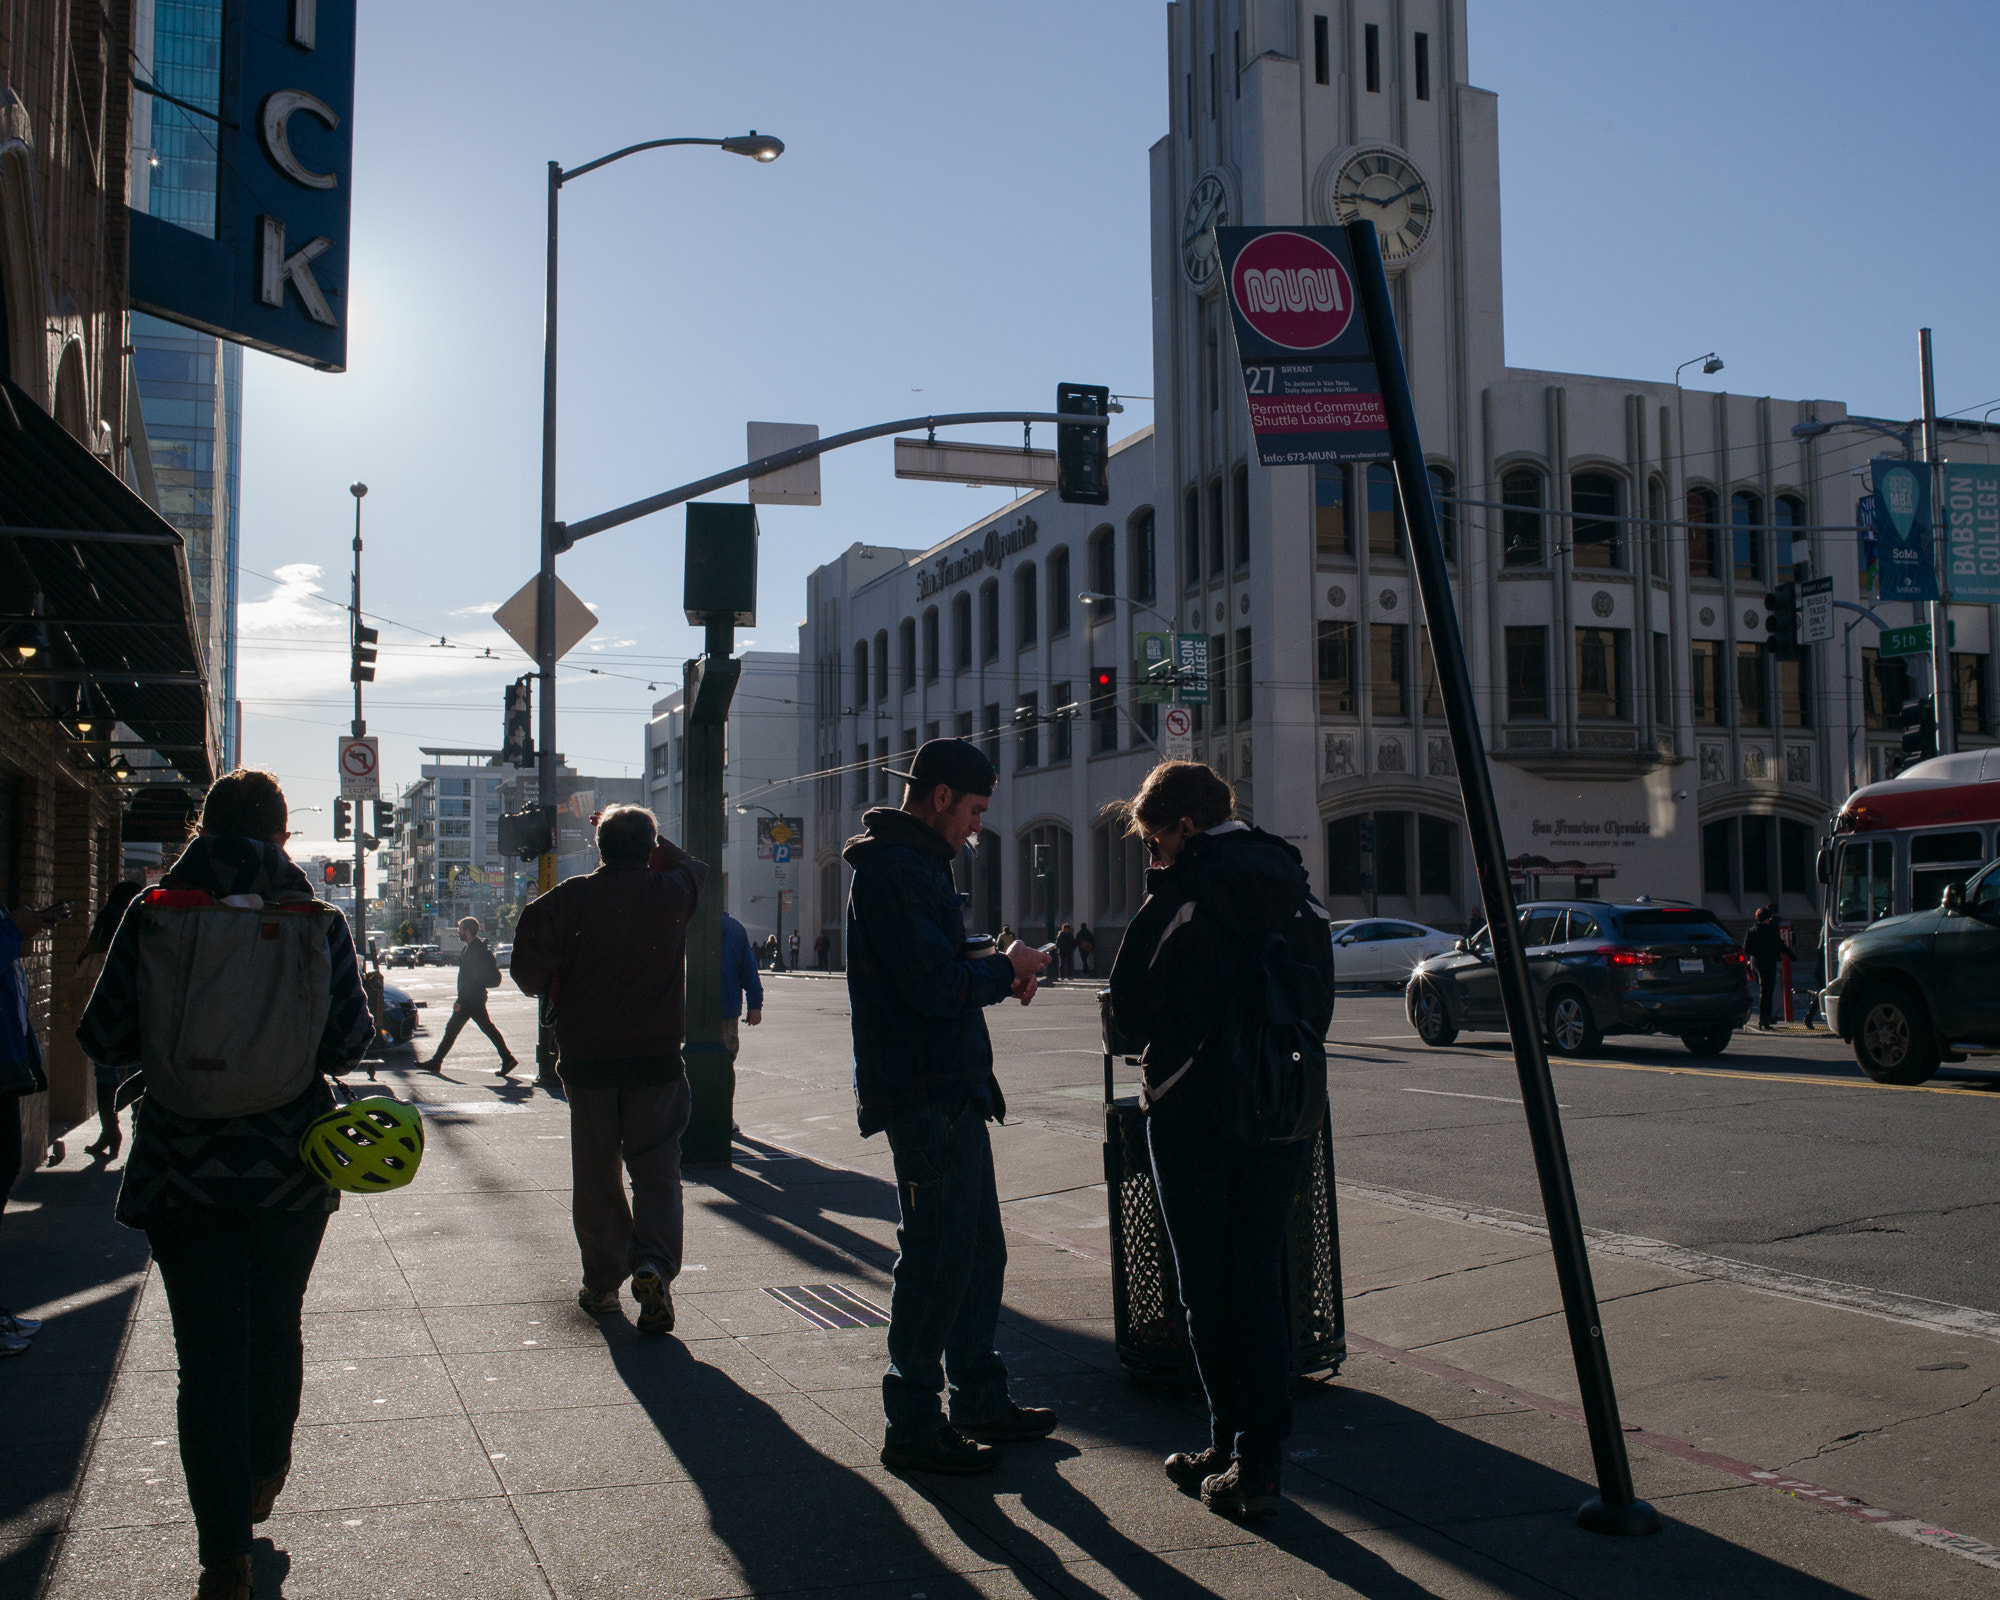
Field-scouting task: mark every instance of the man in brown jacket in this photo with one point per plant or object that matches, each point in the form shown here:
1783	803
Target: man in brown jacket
609	951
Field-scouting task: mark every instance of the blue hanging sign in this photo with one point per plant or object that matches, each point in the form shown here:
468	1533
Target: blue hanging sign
1864	538
1308	373
1903	530
274	276
1972	532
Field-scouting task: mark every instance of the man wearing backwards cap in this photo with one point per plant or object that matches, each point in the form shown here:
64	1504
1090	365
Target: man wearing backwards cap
923	1072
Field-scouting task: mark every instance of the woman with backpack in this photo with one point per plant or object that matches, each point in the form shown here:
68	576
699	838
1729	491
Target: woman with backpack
232	1211
1227	1168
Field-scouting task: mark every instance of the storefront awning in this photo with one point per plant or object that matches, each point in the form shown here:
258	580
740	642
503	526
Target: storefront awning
97	581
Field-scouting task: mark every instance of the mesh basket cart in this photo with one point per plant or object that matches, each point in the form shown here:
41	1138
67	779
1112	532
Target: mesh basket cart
1150	1325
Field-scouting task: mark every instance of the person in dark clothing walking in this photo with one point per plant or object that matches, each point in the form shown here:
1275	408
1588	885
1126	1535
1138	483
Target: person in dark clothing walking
609	953
478	971
21	1074
1065	951
1214	889
233	1214
923	1073
110	1140
1086	947
821	946
1764	944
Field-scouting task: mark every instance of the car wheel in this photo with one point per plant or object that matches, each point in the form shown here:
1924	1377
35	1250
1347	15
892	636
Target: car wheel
1893	1042
1708	1041
1432	1021
1573	1030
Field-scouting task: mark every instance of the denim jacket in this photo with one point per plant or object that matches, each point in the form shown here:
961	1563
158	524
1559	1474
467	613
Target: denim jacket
919	1038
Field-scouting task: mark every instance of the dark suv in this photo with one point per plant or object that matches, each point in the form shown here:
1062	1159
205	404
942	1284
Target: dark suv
1597	968
1910	990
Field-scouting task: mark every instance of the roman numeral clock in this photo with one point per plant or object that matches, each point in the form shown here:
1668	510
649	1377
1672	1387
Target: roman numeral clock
1382	184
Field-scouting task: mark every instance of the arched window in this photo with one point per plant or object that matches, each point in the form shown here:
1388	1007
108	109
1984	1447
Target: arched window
860	671
1103	564
1025	619
1656	531
1788	515
1045	860
1594	538
1746	525
1704	537
989	621
1145	579
961	632
1239	486
931	645
1521	521
1386	540
882	664
1058	592
1442	489
1191	539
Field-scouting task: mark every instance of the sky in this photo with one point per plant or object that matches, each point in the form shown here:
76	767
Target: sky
959	222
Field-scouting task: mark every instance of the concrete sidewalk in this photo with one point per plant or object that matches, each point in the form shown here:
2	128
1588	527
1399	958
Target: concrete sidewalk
468	1432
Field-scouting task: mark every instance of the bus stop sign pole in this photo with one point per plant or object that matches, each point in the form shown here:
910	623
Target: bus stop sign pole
1615	1508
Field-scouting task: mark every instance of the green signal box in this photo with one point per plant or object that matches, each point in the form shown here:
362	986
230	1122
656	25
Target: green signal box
721	583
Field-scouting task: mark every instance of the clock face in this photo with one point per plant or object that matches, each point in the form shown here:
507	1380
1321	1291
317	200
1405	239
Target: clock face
1207	210
1382	185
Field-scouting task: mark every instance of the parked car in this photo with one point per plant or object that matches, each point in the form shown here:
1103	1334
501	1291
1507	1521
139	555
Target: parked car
1910	991
1596	968
503	956
431	955
1378	950
399	1019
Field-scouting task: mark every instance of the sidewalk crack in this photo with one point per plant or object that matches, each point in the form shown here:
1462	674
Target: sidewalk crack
1833	1446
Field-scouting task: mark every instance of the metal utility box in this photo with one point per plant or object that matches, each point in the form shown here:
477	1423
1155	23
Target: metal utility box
721	584
1150	1324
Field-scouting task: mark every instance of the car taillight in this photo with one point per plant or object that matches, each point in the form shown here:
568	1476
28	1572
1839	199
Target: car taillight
1624	955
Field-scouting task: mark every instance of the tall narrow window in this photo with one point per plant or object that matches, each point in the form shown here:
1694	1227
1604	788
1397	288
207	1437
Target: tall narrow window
961	632
989	622
1343	857
1028	731
1322	56
1795	693
860	671
861	774
1746	523
1243	706
1336	669
1026	622
1885	685
1236	41
1437	851
1527	674
1753	706
1392	852
1104	563
882	769
1656	527
1386	540
1211	355
1218	679
1968	681
1216	535
1757	835
1593	500
1145	580
1059	724
989	723
1603	670
1521	521
1190	105
931	645
1371	48
1388	669
1704	537
1330	533
1421	58
882	664
1058	593
1705	682
1430	701
906	654
1240	496
1191	538
1718	848
1663	681
1442	490
1788	515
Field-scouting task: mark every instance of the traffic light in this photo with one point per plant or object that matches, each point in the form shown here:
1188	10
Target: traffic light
385	818
1918	720
343	827
1103	689
364	655
528	834
517	747
339	872
1781	622
1368	835
1083	455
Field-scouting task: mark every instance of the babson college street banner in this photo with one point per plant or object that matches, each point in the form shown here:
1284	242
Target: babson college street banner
1307	371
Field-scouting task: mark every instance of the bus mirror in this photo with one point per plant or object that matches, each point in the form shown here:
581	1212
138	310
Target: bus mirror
1953	902
1823	865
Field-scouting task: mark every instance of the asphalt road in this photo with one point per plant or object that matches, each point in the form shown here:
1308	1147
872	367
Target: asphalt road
1778	1152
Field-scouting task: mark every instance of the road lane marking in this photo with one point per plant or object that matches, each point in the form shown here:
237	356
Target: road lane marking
1454	1094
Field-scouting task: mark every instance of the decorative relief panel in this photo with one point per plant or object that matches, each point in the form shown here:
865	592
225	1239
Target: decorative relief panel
1340	755
1437	758
1714	763
1756	763
1389	755
1798	763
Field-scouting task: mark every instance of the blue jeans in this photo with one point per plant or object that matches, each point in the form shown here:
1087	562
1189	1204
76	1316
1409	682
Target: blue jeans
236	1283
1226	1207
950	1270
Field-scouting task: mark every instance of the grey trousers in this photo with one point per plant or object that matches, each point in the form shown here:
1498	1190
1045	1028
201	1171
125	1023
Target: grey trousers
643	1128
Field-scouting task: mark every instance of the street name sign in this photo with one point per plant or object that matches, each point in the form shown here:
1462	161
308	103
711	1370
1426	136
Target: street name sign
947	461
1914	640
1816	610
1308	373
360	770
517	618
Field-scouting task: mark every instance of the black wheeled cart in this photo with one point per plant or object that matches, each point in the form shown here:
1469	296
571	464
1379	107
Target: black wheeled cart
1145	1299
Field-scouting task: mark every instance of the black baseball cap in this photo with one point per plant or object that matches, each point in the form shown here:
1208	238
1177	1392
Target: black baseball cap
955	762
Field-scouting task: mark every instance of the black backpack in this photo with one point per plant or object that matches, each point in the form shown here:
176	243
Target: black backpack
1267	1054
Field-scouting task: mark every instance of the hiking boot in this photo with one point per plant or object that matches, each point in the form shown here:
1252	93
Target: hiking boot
19	1327
226	1580
656	1303
264	1495
1241	1493
947	1450
1015	1423
1188	1468
598	1305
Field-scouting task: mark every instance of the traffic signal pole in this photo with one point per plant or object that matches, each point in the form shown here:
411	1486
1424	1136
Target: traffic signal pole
1943	711
360	638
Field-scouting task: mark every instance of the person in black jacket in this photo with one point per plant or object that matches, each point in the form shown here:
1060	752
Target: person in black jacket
923	1072
1764	944
478	971
1214	888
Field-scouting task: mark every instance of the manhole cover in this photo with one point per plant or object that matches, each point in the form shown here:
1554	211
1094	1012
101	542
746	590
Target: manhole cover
826	1305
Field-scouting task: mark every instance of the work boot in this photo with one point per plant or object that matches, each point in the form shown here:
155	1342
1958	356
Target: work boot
1243	1494
947	1451
1189	1468
226	1580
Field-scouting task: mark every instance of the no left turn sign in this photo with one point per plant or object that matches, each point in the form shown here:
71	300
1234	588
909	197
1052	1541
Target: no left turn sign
360	768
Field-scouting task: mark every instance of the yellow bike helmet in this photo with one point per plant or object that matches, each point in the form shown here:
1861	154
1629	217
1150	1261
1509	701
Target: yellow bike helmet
366	1146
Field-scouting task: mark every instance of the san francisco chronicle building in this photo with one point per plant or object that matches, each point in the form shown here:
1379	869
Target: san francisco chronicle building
1612	541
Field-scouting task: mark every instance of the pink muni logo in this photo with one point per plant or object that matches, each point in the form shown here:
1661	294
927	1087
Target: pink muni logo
1293	290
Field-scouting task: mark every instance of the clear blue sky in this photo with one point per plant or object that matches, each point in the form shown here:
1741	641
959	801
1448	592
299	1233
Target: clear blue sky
959	222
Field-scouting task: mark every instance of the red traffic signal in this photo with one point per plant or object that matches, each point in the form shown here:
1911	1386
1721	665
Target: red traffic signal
1106	678
332	873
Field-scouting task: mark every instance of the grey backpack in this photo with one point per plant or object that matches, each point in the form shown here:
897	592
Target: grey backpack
232	1002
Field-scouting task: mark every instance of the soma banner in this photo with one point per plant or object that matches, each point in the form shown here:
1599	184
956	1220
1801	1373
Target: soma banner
1308	374
1903	530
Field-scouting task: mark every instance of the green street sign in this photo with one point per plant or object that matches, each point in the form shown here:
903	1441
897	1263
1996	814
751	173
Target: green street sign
1153	658
1914	640
1191	668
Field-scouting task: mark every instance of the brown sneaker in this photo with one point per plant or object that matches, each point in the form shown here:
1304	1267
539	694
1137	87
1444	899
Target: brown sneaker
226	1580
1188	1468
656	1301
1242	1494
264	1495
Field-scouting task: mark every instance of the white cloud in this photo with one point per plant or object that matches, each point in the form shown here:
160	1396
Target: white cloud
485	608
296	605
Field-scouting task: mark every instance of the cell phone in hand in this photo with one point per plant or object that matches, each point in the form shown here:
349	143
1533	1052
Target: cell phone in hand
59	910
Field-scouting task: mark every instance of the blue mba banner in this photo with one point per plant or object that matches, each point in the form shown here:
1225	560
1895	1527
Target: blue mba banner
1903	530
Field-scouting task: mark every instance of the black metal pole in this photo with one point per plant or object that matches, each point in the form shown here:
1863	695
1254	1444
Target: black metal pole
546	784
1615	1508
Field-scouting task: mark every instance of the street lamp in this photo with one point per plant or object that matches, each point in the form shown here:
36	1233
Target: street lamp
1710	364
1091	597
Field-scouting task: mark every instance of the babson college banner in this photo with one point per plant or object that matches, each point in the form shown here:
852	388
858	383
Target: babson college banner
273	275
1307	372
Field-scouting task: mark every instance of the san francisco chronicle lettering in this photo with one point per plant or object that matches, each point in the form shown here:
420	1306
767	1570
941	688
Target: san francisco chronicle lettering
989	553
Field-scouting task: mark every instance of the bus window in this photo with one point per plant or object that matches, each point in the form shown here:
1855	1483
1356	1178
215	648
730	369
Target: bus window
1938	860
1863	891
